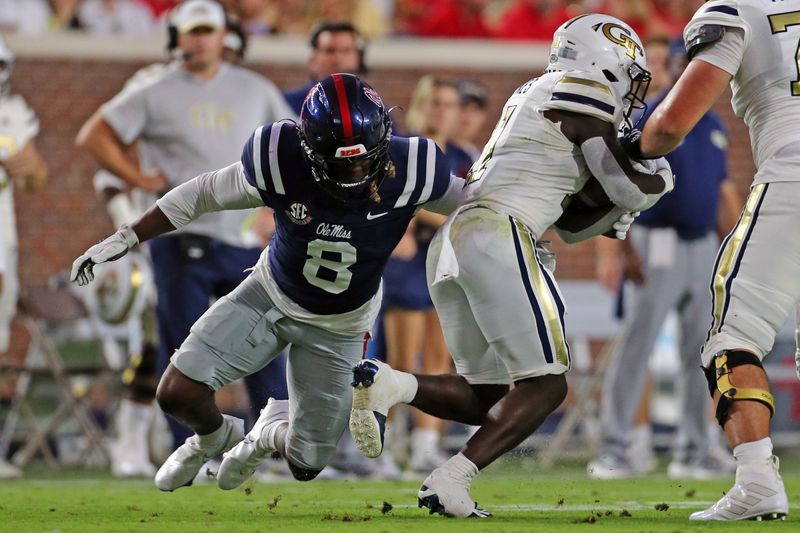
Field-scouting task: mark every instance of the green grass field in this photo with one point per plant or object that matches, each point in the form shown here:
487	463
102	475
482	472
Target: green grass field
521	499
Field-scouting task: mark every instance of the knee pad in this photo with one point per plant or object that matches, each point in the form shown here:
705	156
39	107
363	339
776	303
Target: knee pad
718	376
302	474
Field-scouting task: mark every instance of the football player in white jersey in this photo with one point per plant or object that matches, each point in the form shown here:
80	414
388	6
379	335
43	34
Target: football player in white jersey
23	166
500	308
751	45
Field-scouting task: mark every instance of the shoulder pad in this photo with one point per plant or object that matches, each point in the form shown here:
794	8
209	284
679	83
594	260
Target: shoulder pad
708	24
585	93
701	37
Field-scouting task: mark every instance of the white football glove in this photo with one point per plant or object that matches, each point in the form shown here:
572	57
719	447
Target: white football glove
110	249
658	166
623	224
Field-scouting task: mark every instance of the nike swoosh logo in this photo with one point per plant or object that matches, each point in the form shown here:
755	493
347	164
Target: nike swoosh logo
370	216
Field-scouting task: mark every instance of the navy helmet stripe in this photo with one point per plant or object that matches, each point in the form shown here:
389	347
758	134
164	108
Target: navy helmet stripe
728	10
537	313
585	100
738	263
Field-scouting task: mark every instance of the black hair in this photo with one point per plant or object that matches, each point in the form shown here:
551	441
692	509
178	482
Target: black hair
340	26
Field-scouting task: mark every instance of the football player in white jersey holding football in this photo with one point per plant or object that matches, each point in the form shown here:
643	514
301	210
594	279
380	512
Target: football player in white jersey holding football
751	45
23	166
499	305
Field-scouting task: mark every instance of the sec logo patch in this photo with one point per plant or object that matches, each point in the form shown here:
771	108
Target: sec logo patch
299	214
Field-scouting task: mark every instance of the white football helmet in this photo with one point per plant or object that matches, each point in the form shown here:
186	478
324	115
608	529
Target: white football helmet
6	65
604	44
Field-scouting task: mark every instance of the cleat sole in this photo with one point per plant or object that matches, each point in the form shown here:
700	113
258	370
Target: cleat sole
367	428
768	517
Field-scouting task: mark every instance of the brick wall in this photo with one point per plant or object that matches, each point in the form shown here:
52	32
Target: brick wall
57	224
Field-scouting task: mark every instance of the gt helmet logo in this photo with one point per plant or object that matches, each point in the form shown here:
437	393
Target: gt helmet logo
622	37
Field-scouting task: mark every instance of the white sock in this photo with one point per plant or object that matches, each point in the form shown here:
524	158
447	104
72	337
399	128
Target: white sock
408	385
424	442
642	439
133	425
461	468
753	453
267	440
214	439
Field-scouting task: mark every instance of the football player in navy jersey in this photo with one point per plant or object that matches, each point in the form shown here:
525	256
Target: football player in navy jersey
343	191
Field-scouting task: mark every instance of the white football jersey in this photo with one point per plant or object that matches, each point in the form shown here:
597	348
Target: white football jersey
18	125
529	167
766	86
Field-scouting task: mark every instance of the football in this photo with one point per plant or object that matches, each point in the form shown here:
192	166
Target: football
585	207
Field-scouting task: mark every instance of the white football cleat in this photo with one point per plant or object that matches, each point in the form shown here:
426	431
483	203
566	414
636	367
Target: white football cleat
757	494
376	389
443	493
243	460
180	468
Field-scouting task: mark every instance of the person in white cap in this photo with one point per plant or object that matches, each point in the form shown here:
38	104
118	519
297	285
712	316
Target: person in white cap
20	165
189	117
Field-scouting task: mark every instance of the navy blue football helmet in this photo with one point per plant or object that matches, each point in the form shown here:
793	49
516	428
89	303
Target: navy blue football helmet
345	131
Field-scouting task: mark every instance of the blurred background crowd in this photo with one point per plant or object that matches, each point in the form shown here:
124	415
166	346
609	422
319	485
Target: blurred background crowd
492	19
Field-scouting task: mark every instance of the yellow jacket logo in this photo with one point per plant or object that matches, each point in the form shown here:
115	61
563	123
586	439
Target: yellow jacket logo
622	36
208	116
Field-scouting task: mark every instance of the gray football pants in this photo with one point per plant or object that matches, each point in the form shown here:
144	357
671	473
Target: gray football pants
683	286
243	331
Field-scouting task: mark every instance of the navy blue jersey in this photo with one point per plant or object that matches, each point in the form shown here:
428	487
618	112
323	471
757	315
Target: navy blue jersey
325	255
295	97
699	166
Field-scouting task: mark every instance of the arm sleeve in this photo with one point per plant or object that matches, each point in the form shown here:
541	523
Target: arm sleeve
126	113
632	190
726	53
453	196
220	190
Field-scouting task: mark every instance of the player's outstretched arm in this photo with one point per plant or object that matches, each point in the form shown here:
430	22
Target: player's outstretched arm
215	191
696	91
453	197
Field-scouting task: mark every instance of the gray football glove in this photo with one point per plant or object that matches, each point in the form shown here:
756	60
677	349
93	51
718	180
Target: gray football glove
109	249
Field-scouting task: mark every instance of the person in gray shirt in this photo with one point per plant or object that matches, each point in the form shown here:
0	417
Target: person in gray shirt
189	117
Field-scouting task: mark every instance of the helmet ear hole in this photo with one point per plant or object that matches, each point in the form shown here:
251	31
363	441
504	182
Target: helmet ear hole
610	76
